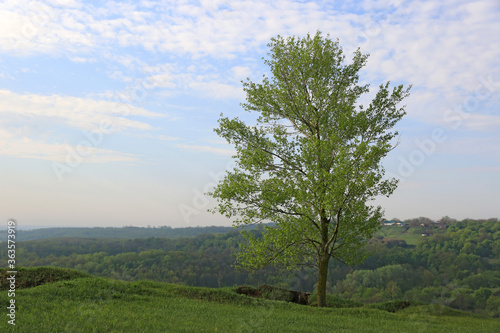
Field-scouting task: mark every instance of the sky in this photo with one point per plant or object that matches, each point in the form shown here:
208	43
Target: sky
107	108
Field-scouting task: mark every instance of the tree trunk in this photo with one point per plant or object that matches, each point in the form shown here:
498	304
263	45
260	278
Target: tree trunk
322	277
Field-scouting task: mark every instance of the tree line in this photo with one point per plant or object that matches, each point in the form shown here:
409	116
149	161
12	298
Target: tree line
114	232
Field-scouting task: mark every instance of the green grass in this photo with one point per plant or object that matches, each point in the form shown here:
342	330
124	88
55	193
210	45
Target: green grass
335	302
412	236
92	304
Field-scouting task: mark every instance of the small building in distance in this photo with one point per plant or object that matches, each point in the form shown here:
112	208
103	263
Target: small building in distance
389	223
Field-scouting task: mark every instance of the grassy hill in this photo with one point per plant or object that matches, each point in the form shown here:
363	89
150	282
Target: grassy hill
68	301
411	236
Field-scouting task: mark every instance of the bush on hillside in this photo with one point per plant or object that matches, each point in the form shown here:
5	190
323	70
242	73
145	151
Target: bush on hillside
36	276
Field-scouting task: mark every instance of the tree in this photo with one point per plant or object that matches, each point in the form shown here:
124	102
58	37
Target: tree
446	220
312	160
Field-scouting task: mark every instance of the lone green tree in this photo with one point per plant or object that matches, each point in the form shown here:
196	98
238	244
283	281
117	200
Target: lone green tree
311	162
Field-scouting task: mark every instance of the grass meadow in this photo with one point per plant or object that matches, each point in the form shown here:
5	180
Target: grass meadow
412	236
92	304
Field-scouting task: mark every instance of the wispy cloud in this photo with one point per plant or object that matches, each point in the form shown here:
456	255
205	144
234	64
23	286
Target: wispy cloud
35	126
444	48
6	76
207	149
219	90
220	29
37	149
474	122
76	112
203	78
441	46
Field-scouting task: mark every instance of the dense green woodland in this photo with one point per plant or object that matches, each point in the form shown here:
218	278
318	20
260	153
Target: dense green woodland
458	266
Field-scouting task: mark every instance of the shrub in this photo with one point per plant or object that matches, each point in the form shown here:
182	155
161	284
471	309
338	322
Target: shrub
36	276
275	294
393	306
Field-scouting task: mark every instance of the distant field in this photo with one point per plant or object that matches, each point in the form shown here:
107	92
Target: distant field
91	304
412	236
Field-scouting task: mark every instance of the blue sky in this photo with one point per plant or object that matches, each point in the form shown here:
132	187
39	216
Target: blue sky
107	108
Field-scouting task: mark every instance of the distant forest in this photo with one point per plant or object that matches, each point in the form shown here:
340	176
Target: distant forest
457	264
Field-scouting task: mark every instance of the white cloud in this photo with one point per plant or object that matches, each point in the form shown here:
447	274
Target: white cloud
414	152
6	76
241	72
82	59
26	70
29	27
458	119
118	75
36	149
219	90
76	112
164	80
482	122
207	149
33	125
219	30
66	3
203	78
442	47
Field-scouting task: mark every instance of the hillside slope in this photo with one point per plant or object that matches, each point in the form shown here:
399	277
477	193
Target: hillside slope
92	304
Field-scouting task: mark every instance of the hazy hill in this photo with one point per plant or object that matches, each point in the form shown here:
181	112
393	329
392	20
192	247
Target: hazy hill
122	232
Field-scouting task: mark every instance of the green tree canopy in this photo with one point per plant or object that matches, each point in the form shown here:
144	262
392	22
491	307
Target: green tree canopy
312	161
